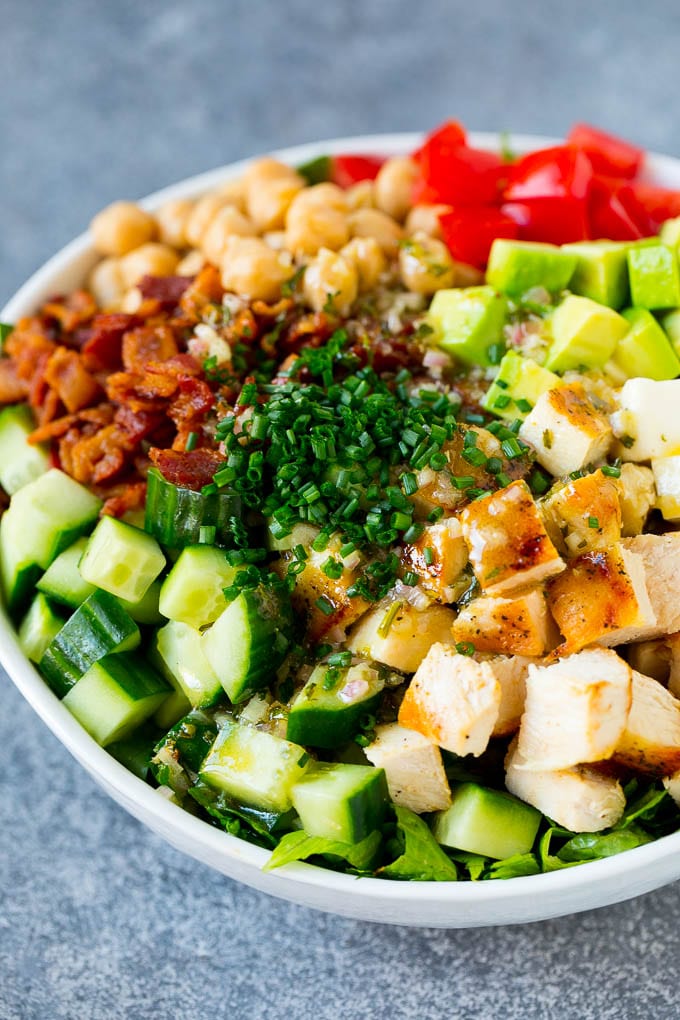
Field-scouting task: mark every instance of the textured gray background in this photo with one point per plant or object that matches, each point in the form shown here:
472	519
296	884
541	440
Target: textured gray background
98	100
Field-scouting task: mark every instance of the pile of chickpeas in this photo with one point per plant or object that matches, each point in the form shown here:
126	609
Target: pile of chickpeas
258	230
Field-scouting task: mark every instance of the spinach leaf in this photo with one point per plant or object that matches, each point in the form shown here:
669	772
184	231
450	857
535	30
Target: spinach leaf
298	846
473	863
247	823
644	808
550	861
592	846
514	867
422	859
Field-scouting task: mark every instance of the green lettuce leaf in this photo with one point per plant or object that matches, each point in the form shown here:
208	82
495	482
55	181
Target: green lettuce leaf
298	846
550	861
422	858
247	823
474	864
514	867
592	846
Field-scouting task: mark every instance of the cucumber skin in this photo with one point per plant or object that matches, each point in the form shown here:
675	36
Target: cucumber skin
175	515
327	726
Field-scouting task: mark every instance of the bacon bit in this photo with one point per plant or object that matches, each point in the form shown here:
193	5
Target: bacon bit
241	328
97	416
27	346
98	457
206	289
167	290
147	344
310	330
72	310
12	388
194	401
102	343
137	425
265	311
189	470
50	407
130	497
67	375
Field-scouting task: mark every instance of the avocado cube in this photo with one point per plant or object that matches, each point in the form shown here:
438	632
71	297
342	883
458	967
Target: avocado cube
645	350
515	267
487	822
467	321
585	333
519	381
601	271
670	232
654	276
671	324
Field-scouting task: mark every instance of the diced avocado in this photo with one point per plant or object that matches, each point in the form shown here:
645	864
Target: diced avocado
343	802
654	276
520	381
327	710
516	266
671	324
670	232
645	350
467	321
487	822
601	271
585	333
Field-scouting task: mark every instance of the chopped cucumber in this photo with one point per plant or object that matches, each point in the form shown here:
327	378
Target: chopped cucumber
175	515
98	627
343	802
645	350
178	757
135	751
44	517
248	642
180	648
517	266
20	462
467	321
487	822
39	628
327	711
518	379
254	767
62	581
121	559
585	333
146	611
192	593
114	696
654	276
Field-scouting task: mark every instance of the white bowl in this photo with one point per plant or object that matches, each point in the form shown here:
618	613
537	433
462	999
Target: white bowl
436	904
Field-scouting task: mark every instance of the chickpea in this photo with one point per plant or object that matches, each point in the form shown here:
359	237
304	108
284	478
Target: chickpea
172	221
252	269
153	259
360	196
269	201
331	279
380	226
310	227
394	187
368	258
424	219
234	192
106	282
325	194
267	169
226	222
191	264
121	227
425	265
202	215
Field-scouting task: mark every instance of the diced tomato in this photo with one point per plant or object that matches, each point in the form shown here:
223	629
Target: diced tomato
462	177
558	172
555	220
659	203
470	232
349	170
607	153
614	212
451	135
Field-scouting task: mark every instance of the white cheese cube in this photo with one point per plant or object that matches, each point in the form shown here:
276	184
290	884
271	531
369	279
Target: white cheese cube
649	416
566	430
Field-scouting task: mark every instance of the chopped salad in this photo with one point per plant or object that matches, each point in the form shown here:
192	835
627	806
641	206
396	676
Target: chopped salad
341	505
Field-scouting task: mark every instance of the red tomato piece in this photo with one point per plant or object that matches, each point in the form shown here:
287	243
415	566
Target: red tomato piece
614	213
658	203
470	232
607	153
558	172
555	220
461	177
451	135
348	170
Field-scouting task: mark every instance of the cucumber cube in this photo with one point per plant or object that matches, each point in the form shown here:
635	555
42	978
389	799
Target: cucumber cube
654	276
487	822
645	350
116	695
601	271
343	802
62	581
585	334
20	462
121	559
518	379
180	649
516	266
467	321
327	710
254	767
192	592
39	628
146	611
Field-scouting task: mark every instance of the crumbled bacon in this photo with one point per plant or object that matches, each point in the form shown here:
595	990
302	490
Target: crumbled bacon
146	344
191	470
12	387
167	290
71	311
102	342
68	377
129	497
205	289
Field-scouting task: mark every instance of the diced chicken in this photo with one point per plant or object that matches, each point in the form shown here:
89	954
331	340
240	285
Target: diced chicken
673	642
508	544
584	514
602	599
518	625
413	767
653	658
667	481
576	710
313	586
637	496
672	784
566	430
651	739
401	637
511	672
660	555
453	701
647	421
580	798
442	566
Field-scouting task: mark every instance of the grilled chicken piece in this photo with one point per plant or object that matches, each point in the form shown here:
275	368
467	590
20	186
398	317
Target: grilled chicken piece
511	672
651	739
659	659
448	557
517	625
413	767
401	638
672	784
311	585
575	711
566	430
637	496
580	798
508	544
453	701
660	556
584	514
601	598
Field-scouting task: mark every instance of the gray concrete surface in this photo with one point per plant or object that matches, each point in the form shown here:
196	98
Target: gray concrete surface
98	918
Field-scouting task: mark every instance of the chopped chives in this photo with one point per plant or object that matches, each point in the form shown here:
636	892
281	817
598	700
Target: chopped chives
325	605
192	440
410	578
465	648
341	659
511	448
388	619
436	514
474	456
428	556
414	532
593	522
409	483
611	470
